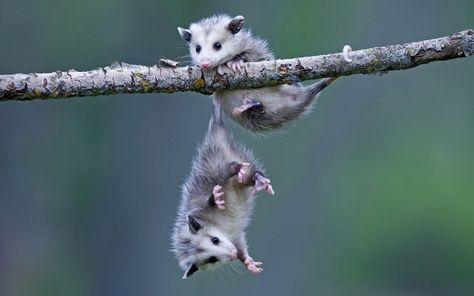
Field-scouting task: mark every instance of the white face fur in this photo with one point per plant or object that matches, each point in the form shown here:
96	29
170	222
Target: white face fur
213	41
207	247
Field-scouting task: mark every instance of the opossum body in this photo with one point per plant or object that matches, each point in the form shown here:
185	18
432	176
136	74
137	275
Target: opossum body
219	41
217	201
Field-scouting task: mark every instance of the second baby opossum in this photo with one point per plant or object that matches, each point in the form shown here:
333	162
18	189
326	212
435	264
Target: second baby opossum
217	201
219	41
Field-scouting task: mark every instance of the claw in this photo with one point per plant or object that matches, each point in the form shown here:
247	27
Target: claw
270	190
262	183
240	66
218	193
243	172
220	70
252	266
236	66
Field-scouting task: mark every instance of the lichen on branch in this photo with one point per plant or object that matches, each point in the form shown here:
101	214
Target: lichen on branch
125	78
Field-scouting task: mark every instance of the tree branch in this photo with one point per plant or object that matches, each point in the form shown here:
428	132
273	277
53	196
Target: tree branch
125	78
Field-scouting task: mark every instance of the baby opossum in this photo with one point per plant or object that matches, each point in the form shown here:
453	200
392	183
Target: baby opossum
219	41
217	201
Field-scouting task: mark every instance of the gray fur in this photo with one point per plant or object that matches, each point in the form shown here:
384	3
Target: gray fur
215	164
296	101
281	105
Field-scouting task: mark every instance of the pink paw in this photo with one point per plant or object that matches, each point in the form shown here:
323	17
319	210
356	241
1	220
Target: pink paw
244	172
221	69
236	66
247	103
218	193
239	110
262	183
252	266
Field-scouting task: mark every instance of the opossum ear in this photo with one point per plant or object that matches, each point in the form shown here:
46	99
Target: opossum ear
189	272
194	225
185	34
236	24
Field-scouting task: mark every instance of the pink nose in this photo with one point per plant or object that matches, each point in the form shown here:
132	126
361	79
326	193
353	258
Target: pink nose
205	65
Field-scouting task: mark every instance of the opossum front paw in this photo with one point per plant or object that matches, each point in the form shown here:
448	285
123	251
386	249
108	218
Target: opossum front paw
252	266
244	173
221	69
218	194
262	183
247	104
237	66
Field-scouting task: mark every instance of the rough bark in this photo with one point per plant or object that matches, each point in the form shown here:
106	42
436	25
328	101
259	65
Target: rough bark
125	78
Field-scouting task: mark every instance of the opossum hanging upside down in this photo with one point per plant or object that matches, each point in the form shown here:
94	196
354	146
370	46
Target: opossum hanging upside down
217	201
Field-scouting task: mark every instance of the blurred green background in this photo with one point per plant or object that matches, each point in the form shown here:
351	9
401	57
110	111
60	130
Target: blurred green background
375	190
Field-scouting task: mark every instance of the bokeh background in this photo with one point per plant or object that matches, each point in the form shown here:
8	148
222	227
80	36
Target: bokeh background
375	190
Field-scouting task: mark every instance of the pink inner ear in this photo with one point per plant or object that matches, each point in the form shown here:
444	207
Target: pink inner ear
185	34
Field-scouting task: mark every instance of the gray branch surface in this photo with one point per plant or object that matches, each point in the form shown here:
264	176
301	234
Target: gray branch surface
126	78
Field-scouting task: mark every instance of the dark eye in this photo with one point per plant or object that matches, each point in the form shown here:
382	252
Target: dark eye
198	48
214	240
217	46
212	259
